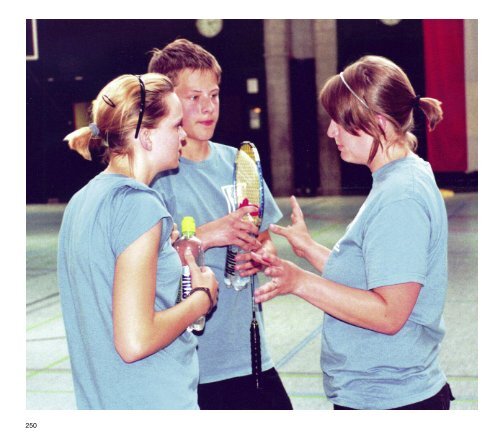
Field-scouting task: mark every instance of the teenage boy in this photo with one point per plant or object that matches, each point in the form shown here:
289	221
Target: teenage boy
202	188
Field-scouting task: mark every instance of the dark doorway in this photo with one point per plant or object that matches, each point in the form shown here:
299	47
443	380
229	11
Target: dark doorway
78	57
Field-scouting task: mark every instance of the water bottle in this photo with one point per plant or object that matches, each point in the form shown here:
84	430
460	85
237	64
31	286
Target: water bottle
232	277
232	251
189	239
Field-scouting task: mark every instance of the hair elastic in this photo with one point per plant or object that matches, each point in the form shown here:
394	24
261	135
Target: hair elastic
362	101
94	129
416	102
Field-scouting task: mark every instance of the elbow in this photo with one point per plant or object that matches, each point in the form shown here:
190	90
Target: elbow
392	326
130	351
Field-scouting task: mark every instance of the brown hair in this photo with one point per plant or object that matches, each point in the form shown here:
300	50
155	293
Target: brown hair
183	54
387	91
115	113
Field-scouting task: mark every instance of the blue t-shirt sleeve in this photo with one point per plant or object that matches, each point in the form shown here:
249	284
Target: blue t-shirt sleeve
135	212
272	213
395	244
163	187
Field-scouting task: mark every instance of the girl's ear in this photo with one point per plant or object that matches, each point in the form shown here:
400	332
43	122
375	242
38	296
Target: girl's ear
145	139
382	122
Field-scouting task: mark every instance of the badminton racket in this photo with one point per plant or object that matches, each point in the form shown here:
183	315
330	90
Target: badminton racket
249	190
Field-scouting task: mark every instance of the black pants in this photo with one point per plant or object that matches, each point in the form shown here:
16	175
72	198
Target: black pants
240	393
440	401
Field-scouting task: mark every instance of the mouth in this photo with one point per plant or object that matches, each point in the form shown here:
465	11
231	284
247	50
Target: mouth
207	123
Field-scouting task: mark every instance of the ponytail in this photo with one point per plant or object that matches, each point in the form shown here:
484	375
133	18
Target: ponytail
79	141
115	114
432	111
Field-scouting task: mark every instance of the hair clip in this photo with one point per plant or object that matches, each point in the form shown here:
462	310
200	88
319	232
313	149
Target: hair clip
108	101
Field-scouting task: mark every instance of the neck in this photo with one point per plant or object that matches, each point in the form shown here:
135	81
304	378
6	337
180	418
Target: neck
123	165
386	155
196	150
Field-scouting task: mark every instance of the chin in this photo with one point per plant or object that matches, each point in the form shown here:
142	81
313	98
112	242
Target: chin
205	134
171	165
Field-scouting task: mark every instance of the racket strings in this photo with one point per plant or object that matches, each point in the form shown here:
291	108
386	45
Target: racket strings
247	183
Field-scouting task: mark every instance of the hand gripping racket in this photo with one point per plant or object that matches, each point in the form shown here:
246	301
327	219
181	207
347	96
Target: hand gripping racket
249	190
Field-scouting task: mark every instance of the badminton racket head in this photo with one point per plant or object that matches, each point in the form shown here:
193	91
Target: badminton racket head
248	180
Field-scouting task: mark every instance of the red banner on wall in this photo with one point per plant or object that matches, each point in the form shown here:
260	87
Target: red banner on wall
445	80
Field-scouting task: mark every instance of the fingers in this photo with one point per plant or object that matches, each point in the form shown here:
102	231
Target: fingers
279	230
265	258
247	270
246	265
244	210
243	224
248	242
191	261
214	285
174	235
244	229
256	257
266	292
296	207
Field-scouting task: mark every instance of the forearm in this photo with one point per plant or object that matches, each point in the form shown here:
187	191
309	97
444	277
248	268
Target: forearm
168	324
267	243
363	308
232	229
317	255
155	331
205	233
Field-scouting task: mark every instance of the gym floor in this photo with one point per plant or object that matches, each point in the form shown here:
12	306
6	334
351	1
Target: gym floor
293	327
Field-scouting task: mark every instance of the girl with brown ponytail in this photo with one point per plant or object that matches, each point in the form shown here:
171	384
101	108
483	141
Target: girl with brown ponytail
383	284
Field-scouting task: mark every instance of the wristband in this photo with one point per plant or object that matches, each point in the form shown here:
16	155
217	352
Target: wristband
207	291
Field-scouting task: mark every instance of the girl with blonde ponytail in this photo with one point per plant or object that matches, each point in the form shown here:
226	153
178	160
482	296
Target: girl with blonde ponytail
117	270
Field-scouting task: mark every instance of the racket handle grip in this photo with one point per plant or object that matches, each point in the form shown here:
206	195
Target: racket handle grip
256	354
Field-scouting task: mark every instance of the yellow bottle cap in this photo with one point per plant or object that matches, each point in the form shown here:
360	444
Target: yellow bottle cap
188	225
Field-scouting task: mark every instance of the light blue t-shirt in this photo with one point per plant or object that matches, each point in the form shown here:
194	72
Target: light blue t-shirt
204	190
99	223
399	235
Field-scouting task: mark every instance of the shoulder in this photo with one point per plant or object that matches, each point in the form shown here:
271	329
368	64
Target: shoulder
224	151
131	194
411	179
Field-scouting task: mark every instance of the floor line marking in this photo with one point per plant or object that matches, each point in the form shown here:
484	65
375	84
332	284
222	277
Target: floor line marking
52	295
299	347
40	371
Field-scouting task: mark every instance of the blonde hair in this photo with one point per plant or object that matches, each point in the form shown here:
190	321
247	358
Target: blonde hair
381	88
115	112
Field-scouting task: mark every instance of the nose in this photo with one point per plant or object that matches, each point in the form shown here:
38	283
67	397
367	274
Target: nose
182	133
333	129
207	105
